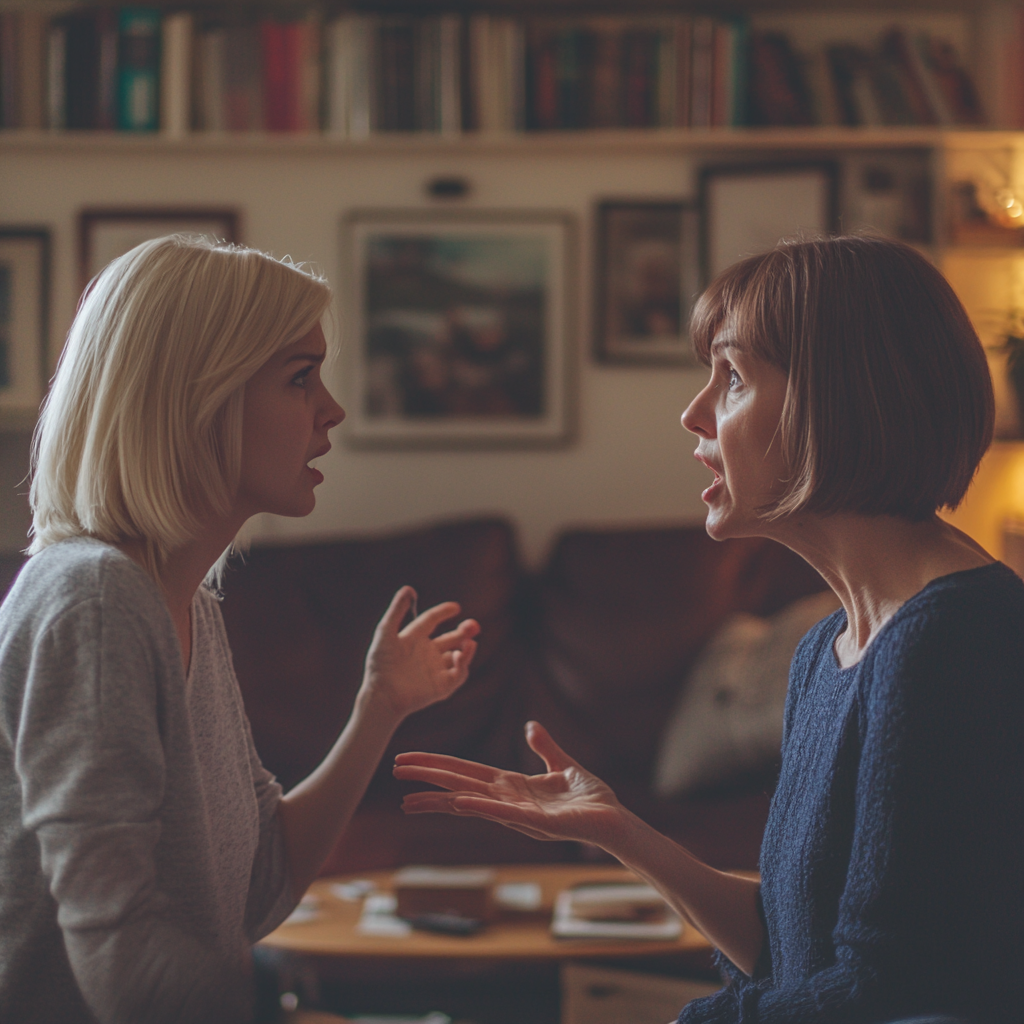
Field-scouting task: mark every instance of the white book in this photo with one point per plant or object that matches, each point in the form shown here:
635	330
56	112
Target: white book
450	75
175	74
211	80
360	119
340	41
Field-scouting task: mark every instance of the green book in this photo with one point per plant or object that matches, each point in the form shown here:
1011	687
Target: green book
138	69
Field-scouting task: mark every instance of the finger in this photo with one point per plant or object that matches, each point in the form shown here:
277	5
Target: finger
461	660
551	753
391	621
426	622
447	763
437	777
467	629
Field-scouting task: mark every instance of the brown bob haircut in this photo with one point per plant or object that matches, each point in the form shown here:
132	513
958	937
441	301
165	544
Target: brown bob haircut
889	405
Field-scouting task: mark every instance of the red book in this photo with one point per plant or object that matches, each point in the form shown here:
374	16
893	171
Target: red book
545	81
294	54
275	76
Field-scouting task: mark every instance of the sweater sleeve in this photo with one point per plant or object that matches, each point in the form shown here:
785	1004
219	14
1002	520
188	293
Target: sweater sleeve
932	914
89	755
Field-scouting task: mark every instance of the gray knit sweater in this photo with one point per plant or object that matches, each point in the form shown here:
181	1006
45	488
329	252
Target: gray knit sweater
140	851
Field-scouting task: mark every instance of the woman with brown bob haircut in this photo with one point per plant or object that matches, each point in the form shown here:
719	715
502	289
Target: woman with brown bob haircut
849	401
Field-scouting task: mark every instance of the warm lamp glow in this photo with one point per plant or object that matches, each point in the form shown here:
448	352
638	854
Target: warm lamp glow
996	496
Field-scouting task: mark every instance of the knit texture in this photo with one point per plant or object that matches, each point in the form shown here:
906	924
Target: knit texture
893	859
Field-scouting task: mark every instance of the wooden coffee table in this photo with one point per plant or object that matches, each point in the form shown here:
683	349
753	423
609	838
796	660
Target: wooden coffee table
514	936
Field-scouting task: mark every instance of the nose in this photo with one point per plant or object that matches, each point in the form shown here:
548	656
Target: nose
332	413
699	416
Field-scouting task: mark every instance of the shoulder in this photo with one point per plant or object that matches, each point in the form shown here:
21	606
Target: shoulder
955	647
80	572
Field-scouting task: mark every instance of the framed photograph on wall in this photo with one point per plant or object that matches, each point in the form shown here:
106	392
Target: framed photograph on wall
748	208
648	275
457	327
24	322
105	234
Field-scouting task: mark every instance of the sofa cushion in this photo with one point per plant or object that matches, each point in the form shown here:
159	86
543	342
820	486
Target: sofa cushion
300	620
727	722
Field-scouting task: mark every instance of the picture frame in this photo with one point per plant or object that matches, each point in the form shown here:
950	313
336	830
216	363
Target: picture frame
25	254
748	208
104	233
648	275
457	328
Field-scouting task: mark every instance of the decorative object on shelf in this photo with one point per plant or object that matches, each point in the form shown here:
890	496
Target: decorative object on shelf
24	321
748	208
647	278
448	187
458	327
104	234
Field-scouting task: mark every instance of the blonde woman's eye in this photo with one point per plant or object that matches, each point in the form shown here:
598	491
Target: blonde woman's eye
302	376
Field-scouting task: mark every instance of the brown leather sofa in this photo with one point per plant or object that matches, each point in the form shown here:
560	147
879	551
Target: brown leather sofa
595	646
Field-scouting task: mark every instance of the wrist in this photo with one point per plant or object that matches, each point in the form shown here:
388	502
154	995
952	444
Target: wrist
377	708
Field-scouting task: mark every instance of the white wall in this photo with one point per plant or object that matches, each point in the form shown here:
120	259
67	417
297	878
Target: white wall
630	461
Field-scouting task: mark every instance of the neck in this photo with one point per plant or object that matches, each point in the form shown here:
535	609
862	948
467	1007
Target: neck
184	571
875	564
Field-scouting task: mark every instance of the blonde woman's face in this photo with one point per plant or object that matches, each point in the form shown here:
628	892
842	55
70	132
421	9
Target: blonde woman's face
287	414
737	417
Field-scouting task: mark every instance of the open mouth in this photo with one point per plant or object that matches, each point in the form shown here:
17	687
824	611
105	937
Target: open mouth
709	492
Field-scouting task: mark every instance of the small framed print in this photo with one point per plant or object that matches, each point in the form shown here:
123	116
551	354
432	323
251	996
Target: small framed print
749	208
105	234
647	279
457	328
24	322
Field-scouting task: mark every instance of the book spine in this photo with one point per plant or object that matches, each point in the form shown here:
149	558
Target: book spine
81	70
684	70
339	61
32	37
56	108
211	78
606	77
740	80
480	76
9	79
425	74
175	74
275	76
139	69
701	67
666	77
293	54
309	74
364	77
107	101
543	80
721	75
449	74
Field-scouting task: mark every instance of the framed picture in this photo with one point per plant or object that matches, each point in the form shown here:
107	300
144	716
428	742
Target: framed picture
648	275
105	234
748	208
24	321
457	327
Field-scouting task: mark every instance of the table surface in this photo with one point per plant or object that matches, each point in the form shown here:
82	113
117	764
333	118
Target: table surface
513	936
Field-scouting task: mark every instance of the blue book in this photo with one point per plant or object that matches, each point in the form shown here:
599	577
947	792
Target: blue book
138	70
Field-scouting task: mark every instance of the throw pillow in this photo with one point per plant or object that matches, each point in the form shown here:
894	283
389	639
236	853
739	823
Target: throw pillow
728	721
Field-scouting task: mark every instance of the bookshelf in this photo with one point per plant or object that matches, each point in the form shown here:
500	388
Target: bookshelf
629	462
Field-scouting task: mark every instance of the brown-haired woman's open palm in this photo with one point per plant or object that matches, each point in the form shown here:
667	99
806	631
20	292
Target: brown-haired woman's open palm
566	802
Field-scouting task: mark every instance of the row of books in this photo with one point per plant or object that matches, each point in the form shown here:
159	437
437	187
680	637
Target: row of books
909	78
139	70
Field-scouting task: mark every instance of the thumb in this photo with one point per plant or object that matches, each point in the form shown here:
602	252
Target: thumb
391	621
551	753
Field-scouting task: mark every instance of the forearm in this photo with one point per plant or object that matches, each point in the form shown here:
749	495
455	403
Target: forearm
316	812
720	905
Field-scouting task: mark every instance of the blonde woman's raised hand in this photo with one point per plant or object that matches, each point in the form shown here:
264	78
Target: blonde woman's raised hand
566	802
407	668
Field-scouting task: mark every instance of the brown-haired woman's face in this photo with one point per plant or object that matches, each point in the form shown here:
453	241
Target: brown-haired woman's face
736	417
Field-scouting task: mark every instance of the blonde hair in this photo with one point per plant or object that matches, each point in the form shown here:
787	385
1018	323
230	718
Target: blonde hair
140	436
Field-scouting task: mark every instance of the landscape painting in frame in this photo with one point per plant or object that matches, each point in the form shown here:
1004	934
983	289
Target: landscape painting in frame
648	275
456	328
24	309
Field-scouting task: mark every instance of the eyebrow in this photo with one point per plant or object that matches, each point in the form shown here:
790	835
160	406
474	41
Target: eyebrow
303	357
719	343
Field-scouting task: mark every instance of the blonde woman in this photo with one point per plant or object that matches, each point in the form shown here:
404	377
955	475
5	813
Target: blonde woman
143	848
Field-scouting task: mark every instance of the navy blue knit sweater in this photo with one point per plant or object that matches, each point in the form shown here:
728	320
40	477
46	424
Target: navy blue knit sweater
893	860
